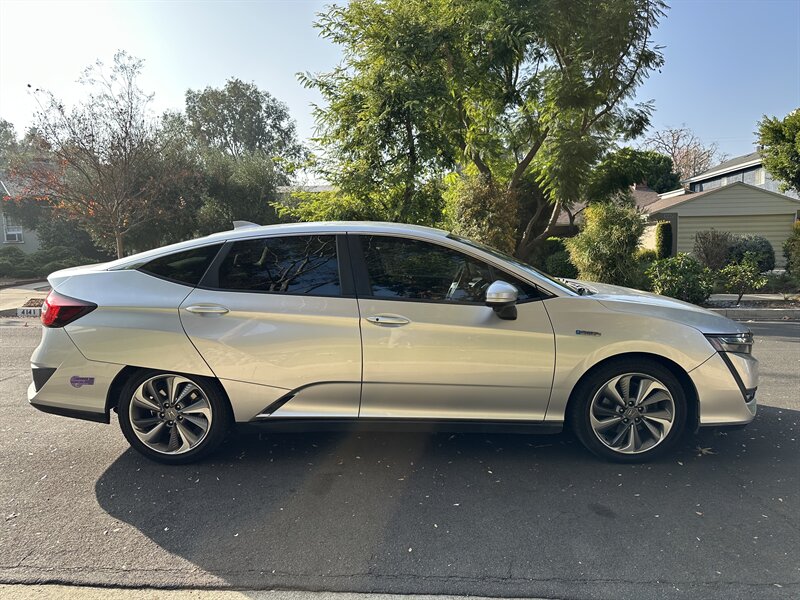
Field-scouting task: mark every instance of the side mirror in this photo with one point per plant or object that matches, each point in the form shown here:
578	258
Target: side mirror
502	298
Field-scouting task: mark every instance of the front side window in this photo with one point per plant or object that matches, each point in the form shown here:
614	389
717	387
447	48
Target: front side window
400	268
182	267
283	265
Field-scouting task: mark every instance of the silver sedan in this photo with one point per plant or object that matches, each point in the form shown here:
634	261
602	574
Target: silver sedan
357	323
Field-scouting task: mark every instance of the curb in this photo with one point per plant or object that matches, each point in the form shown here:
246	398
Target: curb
759	314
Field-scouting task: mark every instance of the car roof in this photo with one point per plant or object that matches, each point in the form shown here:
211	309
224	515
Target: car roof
328	226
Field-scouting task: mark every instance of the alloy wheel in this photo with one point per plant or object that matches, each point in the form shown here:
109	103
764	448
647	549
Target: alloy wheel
632	413
170	414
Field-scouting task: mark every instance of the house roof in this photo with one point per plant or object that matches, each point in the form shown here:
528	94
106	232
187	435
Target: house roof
733	164
673	201
643	196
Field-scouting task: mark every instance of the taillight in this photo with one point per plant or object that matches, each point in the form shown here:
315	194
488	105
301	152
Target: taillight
59	310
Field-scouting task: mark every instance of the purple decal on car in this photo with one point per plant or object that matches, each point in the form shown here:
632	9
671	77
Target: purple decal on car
76	381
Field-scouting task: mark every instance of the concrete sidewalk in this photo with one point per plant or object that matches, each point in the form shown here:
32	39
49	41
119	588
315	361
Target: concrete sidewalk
12	298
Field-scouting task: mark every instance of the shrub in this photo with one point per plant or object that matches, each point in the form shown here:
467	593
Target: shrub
791	250
6	267
559	265
758	245
646	255
485	212
57	265
783	283
713	248
663	239
681	277
11	253
543	250
604	250
743	277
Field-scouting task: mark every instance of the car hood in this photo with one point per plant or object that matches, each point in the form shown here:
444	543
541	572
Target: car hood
628	300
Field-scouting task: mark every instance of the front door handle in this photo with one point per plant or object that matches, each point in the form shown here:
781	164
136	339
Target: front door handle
207	309
388	320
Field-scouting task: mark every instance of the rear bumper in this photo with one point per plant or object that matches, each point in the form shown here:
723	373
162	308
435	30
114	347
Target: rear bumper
98	417
726	389
66	383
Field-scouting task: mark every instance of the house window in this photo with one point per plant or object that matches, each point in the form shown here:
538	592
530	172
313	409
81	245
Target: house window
760	176
12	234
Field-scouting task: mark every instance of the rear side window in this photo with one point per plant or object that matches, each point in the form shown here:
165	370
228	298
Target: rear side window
283	265
183	267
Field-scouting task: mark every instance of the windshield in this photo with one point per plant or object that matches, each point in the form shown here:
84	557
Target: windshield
536	273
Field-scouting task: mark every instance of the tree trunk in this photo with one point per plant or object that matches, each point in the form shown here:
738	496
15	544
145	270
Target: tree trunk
120	245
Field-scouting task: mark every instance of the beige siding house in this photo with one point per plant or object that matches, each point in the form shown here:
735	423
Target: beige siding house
736	207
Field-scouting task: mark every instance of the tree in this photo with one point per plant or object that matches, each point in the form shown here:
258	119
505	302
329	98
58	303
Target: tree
605	249
779	140
743	277
242	120
8	143
627	166
690	156
504	90
103	167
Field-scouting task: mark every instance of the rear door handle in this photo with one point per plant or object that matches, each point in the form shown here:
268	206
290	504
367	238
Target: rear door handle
388	320
207	309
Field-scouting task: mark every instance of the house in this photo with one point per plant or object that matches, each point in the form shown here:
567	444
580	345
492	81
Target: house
747	169
13	233
737	196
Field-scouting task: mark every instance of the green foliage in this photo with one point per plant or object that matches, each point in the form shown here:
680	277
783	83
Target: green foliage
713	248
605	250
744	276
784	283
681	277
627	166
484	212
647	255
664	239
15	264
758	246
504	90
558	264
791	250
241	120
780	148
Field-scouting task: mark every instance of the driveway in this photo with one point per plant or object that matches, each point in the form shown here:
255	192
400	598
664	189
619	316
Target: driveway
427	513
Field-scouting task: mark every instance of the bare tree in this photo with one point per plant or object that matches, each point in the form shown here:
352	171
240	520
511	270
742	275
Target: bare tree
690	156
103	162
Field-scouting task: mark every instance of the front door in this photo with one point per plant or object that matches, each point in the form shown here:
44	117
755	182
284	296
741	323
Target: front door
433	350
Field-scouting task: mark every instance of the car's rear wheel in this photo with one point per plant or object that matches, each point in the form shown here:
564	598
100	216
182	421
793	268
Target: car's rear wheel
629	411
173	418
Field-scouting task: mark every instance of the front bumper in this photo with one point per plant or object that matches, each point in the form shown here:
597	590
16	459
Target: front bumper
726	389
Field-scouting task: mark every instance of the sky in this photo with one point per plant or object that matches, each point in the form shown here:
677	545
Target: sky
728	62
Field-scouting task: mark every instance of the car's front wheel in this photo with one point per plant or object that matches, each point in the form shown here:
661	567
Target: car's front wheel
629	411
172	418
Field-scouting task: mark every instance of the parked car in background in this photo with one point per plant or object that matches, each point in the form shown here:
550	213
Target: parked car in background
377	322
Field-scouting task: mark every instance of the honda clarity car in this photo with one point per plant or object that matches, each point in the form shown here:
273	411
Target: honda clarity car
353	323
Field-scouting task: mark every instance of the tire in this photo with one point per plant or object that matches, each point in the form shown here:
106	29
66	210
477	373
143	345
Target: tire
173	418
641	421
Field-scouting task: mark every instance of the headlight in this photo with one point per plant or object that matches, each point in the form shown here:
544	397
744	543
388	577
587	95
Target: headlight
741	343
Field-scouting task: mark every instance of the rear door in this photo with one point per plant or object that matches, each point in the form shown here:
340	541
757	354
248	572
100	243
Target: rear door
280	311
433	350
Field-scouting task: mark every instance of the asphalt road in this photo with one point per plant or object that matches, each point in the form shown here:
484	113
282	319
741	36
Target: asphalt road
432	513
